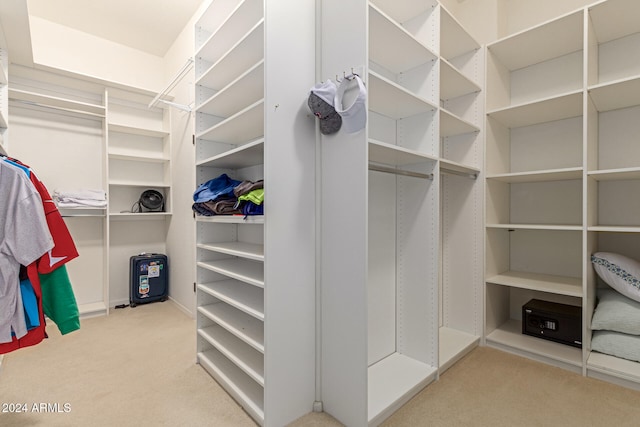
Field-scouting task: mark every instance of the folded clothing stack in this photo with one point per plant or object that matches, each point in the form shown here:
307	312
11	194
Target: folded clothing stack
227	196
80	198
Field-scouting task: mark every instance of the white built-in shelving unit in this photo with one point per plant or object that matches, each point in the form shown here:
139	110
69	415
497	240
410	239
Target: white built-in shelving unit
255	275
561	164
402	296
125	148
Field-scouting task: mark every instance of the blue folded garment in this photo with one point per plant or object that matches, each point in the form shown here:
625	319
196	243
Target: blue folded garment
214	188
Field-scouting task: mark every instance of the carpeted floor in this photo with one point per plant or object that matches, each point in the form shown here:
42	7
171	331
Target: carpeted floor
136	367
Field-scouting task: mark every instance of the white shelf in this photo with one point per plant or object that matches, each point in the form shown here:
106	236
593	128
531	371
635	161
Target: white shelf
243	389
393	155
615	174
56	102
510	335
614	366
3	120
561	285
614	229
239	249
403	10
245	327
82	212
246	125
393	47
453	83
238	23
393	381
618	94
240	295
453	345
541	111
123	155
537	227
394	101
138	183
251	272
454	39
615	19
155	133
244	156
546	41
246	90
245	358
539	176
232	219
141	216
242	56
451	125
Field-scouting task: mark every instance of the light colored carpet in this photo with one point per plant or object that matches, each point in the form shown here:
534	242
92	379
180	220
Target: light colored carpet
136	367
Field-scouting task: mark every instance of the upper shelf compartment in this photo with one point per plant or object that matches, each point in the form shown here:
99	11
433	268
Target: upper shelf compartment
538	63
454	39
392	46
403	11
239	21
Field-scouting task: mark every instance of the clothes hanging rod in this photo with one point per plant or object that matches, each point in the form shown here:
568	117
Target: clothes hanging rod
55	107
395	171
460	173
176	79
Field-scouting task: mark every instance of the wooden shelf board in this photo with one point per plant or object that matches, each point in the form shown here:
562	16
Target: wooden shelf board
393	47
247	89
394	101
453	83
545	110
615	174
510	335
454	344
454	39
537	227
393	381
239	249
617	94
240	295
155	133
242	56
562	285
241	355
246	155
251	272
615	19
245	327
539	176
245	125
234	27
546	41
393	155
451	125
242	388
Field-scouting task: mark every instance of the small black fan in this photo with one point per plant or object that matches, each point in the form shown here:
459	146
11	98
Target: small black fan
151	200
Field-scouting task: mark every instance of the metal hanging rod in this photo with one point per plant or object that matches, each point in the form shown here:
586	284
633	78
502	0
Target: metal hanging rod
181	73
386	169
460	173
55	107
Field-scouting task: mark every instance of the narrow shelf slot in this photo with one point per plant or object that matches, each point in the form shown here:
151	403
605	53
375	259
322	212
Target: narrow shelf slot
155	133
452	125
541	111
251	154
616	95
251	272
454	39
453	83
239	249
394	101
242	388
393	155
245	327
240	295
244	126
615	174
243	356
539	176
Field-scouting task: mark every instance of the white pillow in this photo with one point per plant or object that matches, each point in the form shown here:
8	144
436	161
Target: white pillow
615	312
619	272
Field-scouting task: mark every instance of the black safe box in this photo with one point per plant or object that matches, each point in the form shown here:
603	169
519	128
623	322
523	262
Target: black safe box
553	321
